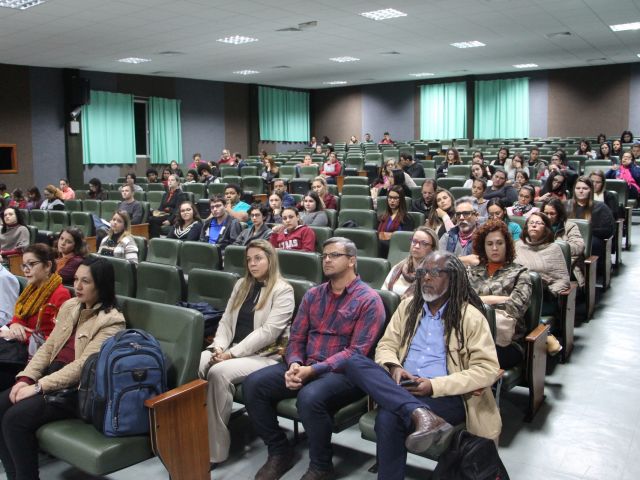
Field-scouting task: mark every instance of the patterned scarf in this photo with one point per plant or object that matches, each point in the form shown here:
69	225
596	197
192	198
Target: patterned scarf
521	210
32	297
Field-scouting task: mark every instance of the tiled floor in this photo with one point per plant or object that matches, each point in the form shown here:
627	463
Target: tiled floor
589	427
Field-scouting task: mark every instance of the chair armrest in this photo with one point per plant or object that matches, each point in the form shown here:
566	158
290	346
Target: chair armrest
174	393
592	260
15	264
536	333
140	230
567	292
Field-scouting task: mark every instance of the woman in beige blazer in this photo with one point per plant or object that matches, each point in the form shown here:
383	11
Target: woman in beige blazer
251	333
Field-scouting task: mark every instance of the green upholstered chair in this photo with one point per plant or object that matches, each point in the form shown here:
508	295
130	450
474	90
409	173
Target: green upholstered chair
125	274
198	190
590	264
160	283
356	180
234	259
199	255
39	219
154	199
373	271
211	286
92	206
179	331
322	234
459	171
253	184
73	205
354	189
300	265
459	192
332	215
141	243
300	287
363	218
108	208
399	247
155	187
366	240
359	202
164	250
451	181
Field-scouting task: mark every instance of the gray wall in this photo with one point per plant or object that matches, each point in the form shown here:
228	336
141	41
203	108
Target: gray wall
388	107
538	106
47	126
634	100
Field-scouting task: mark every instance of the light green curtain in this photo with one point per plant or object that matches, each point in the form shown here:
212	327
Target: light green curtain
165	132
502	108
108	134
283	115
443	111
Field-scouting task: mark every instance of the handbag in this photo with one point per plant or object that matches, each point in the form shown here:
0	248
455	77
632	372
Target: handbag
13	352
37	338
65	398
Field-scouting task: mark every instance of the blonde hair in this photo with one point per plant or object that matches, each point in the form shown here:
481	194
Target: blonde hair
323	181
248	281
127	225
55	191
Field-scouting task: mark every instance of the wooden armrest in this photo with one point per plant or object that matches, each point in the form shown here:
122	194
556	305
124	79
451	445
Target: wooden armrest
565	293
140	230
15	264
174	393
593	259
536	332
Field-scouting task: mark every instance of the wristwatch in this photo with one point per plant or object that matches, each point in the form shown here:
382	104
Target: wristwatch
38	388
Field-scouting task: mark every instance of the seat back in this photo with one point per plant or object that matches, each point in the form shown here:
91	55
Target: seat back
154	199
108	208
73	205
353	189
234	259
199	255
459	171
249	171
83	222
300	265
200	286
357	202
619	186
322	234
391	300
366	240
141	243
450	181
459	192
399	247
58	219
373	271
164	250
125	273
254	184
40	219
228	170
585	231
309	171
92	206
197	189
566	251
178	330
155	187
332	215
519	220
356	180
363	218
160	283
300	287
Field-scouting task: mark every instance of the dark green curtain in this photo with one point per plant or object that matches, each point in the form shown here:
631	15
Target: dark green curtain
283	115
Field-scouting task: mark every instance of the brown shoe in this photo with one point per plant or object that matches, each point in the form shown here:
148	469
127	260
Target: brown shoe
553	345
429	429
276	466
313	474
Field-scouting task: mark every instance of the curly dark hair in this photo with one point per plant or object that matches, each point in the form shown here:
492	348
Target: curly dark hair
480	236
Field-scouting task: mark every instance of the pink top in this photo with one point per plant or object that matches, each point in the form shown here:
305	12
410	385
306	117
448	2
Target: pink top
68	194
625	174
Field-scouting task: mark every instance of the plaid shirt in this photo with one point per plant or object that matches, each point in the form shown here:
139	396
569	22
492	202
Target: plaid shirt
330	328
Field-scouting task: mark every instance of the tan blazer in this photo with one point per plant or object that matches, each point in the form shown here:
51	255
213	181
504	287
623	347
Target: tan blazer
476	366
270	323
92	330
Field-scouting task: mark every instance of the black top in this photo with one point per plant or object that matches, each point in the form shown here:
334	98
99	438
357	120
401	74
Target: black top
244	324
415	170
602	221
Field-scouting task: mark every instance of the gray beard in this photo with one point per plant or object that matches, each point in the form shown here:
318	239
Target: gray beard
430	297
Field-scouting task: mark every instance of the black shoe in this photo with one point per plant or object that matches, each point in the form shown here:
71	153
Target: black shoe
275	467
313	474
429	429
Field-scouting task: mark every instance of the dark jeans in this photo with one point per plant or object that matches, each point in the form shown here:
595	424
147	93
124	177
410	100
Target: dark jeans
393	422
509	357
155	225
317	401
18	443
8	373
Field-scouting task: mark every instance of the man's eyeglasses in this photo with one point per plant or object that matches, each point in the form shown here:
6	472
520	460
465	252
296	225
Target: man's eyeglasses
334	255
29	266
432	272
465	214
421	243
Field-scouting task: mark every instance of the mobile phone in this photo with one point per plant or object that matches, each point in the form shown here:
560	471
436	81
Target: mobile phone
408	383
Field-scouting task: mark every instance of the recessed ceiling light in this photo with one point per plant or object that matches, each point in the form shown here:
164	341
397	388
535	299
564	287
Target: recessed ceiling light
526	65
237	40
384	14
621	27
134	60
335	82
639	54
422	74
344	59
21	4
246	72
471	44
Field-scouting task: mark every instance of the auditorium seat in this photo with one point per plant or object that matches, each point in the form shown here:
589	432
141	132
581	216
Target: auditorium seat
125	274
160	283
108	208
399	247
373	271
199	255
164	250
84	222
322	234
358	202
233	260
300	265
366	240
92	206
363	218
211	286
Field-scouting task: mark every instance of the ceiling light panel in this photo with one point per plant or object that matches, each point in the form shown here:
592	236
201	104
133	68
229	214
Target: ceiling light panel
135	60
246	72
621	27
471	44
344	59
384	14
237	40
20	4
526	65
335	82
422	74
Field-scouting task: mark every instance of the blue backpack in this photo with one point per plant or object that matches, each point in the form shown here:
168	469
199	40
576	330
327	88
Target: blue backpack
129	369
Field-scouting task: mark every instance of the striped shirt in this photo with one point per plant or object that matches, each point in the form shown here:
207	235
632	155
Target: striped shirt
330	328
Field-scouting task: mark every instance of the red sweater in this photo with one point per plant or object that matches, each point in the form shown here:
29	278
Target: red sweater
57	298
301	238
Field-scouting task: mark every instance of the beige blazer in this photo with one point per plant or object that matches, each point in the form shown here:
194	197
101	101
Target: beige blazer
91	331
472	368
270	323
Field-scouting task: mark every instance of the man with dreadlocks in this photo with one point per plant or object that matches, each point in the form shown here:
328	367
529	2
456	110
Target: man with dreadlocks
434	364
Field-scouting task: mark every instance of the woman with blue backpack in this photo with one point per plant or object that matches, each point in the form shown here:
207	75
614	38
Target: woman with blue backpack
83	323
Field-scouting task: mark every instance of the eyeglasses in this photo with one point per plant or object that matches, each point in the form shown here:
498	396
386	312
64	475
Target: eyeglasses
537	224
432	272
334	255
495	215
29	266
467	213
258	214
421	243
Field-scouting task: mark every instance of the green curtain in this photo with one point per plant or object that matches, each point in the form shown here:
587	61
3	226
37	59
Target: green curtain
283	115
165	132
108	134
502	108
443	111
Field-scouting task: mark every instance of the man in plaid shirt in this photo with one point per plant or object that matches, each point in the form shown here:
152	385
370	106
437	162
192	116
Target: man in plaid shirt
336	320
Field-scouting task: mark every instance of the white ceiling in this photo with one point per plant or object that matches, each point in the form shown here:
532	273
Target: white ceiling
94	34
